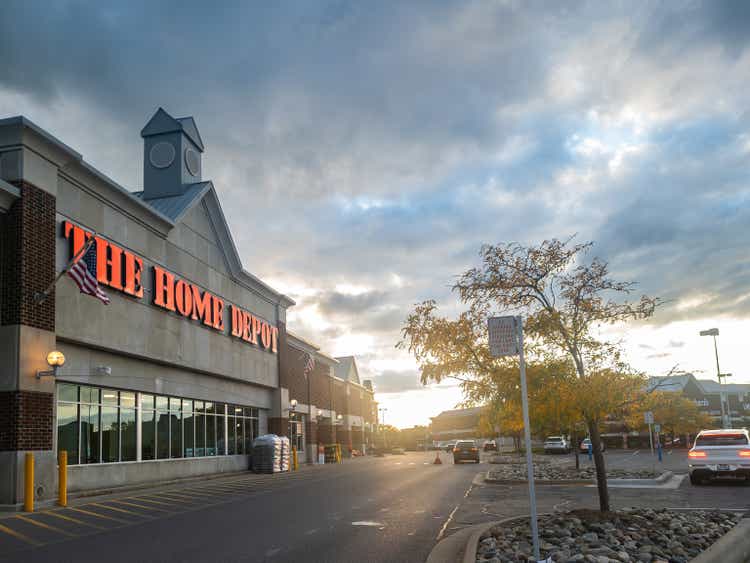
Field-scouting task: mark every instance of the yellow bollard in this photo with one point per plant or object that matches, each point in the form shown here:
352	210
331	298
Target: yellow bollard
62	494
28	497
295	464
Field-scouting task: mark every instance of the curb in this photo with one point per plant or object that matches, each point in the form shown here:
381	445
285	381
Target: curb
732	547
457	548
664	477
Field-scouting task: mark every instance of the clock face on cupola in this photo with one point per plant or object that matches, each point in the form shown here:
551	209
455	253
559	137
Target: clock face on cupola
172	155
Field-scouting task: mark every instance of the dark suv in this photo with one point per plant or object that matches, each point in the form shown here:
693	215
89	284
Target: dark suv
466	450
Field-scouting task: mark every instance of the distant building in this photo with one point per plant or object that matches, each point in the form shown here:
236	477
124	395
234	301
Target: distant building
456	424
706	394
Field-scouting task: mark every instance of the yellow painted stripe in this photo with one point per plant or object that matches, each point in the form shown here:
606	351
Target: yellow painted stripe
102	516
123	510
171	494
126	503
196	492
175	497
143	499
43	525
19	535
219	488
74	520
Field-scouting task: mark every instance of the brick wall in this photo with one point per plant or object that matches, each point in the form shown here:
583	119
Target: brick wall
278	426
26	420
326	433
340	402
321	386
294	378
311	431
28	259
355	399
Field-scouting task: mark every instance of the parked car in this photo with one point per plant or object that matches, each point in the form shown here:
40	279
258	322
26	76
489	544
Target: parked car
490	446
466	450
585	445
556	445
396	450
720	453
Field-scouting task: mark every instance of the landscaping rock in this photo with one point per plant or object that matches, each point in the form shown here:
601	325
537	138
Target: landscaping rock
626	536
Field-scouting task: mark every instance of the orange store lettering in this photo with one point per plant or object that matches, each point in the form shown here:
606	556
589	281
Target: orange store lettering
122	270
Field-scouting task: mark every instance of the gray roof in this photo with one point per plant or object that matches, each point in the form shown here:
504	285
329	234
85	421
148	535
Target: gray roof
678	382
175	207
711	386
161	122
344	371
461	412
668	383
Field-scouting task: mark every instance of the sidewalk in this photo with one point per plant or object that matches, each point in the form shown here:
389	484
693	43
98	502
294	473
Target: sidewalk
82	497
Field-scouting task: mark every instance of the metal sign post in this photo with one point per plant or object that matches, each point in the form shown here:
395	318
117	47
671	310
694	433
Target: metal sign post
506	339
648	418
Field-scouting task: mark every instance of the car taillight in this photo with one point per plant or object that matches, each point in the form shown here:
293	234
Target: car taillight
744	453
697	453
473	449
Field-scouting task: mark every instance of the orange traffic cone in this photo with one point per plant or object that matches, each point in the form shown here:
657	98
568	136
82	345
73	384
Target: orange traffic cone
437	461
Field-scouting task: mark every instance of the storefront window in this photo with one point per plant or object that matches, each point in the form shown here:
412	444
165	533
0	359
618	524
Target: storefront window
101	426
188	425
110	434
67	430
148	429
129	449
162	428
175	427
200	429
89	433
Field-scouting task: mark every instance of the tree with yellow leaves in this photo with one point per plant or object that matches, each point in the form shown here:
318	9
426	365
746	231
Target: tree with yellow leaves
565	300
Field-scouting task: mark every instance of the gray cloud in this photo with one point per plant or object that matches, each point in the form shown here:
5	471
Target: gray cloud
379	144
396	382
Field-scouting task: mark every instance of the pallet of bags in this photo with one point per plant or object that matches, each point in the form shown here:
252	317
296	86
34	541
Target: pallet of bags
285	453
267	454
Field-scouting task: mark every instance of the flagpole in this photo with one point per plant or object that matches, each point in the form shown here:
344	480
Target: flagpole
40	298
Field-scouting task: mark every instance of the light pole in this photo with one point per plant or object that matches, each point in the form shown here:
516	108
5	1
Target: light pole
725	422
382	418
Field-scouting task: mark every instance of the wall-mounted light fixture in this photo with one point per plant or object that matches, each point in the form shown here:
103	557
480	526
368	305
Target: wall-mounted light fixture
293	404
339	418
55	360
320	413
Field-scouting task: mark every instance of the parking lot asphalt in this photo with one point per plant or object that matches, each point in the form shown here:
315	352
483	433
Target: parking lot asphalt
489	502
389	509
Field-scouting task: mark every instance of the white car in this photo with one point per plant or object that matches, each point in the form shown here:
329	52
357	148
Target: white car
720	453
584	447
556	445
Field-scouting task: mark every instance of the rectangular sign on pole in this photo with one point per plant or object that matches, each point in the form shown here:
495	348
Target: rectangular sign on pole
503	336
506	339
648	417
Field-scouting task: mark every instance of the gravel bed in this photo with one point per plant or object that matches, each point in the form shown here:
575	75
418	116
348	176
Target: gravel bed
513	459
552	472
630	535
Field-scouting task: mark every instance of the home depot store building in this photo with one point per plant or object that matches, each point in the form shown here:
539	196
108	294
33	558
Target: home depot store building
190	360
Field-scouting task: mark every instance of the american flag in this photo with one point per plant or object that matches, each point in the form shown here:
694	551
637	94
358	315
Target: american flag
83	272
309	364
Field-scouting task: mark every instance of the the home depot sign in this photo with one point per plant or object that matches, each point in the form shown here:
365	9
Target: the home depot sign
122	270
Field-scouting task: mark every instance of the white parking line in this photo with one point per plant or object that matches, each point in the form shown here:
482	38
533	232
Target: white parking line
710	508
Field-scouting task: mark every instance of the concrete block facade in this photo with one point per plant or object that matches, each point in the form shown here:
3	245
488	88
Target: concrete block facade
150	389
335	406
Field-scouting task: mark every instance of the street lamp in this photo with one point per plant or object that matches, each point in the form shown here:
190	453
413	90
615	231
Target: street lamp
55	360
714	332
382	417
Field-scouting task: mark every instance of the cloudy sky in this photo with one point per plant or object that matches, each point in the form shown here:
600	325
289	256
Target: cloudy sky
364	150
